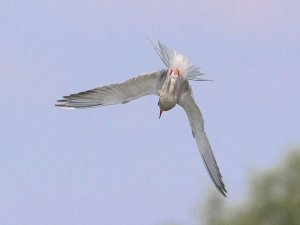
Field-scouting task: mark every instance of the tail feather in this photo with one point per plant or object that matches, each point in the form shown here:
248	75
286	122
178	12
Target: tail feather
174	60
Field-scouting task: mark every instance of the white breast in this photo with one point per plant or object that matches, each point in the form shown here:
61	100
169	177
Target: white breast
172	84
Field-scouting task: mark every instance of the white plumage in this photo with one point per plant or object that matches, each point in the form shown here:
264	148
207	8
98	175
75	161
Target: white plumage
174	60
171	86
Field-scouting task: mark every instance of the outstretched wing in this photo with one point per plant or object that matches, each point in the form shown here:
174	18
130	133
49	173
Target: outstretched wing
196	121
136	87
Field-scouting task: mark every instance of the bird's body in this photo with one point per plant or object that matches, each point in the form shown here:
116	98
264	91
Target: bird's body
171	92
172	87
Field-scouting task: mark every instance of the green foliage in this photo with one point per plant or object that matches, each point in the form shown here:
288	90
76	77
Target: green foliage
274	199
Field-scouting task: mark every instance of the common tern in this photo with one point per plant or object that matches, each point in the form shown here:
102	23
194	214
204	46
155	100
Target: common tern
172	87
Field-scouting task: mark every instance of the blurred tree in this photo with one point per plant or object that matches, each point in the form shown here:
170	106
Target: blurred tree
274	199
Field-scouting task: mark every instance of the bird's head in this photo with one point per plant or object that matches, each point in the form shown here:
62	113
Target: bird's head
164	105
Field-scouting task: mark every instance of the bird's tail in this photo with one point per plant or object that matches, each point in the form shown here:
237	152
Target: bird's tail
174	60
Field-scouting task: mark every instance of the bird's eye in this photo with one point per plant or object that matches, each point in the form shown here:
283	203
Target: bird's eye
158	103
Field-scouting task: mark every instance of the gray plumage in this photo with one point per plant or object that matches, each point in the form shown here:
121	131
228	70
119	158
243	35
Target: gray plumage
171	86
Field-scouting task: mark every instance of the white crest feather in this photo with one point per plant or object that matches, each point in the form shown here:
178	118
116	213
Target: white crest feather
174	60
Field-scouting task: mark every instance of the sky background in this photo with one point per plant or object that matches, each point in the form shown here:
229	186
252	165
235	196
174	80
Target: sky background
121	165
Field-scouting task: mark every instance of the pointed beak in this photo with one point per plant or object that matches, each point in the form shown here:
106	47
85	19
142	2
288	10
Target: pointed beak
160	113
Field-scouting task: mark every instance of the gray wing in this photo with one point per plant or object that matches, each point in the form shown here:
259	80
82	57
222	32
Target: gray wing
136	87
187	102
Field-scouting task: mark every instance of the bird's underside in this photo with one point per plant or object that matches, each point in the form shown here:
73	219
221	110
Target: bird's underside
152	84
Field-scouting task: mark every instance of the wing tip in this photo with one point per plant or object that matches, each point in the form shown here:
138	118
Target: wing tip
222	190
63	103
219	184
73	104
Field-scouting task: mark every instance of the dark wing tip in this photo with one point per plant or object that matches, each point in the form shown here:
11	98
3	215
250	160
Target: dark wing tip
216	178
219	185
222	189
64	103
73	104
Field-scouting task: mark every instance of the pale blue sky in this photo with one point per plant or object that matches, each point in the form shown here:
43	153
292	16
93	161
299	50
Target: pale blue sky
120	164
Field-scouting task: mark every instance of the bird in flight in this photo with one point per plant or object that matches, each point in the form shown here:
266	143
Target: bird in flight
172	87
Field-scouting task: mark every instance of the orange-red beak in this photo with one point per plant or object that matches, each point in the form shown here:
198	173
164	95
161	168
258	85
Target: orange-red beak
160	113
